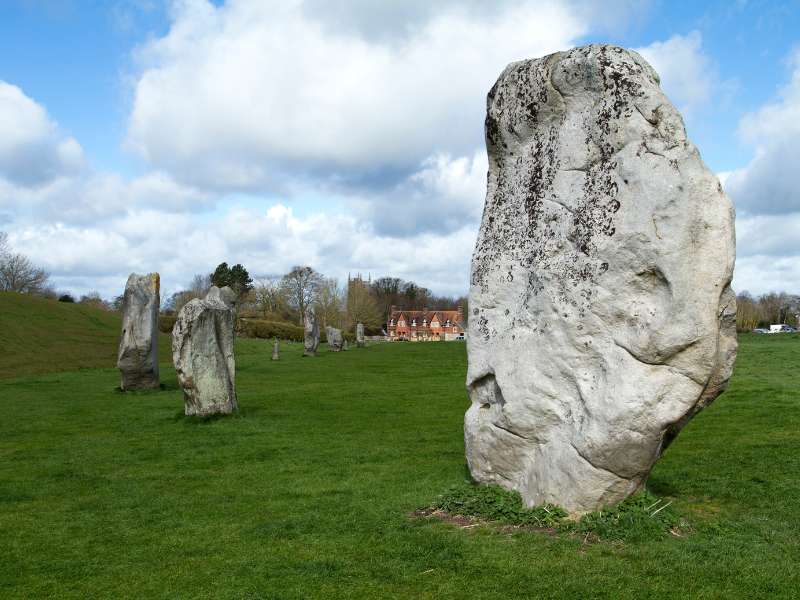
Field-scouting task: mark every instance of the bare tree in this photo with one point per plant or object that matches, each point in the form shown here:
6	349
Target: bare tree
19	274
329	304
200	285
301	286
361	305
270	296
749	312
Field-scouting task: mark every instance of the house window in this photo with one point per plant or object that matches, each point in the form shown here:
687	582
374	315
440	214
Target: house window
402	323
447	323
424	322
413	322
392	323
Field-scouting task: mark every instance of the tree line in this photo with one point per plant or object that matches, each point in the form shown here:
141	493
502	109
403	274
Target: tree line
285	297
767	309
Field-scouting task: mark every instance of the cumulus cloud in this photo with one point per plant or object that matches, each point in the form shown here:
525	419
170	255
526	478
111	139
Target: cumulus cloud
687	72
91	198
768	184
32	150
445	194
266	241
240	94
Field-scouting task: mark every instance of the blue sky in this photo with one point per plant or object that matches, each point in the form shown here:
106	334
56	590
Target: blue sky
169	108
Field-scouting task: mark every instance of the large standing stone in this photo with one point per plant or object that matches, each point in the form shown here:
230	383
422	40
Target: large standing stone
335	338
360	335
137	357
311	332
602	314
202	350
276	355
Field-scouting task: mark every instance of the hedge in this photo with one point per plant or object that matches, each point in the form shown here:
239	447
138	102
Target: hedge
258	328
166	323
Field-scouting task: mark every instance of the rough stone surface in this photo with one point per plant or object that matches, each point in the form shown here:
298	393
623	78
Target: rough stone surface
335	339
276	351
137	357
602	317
360	343
311	330
202	351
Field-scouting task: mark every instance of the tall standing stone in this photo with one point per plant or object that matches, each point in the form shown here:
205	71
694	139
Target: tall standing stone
137	357
276	351
202	351
602	313
360	335
311	332
335	338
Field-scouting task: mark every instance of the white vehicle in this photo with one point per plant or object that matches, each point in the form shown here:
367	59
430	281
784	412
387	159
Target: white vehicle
781	328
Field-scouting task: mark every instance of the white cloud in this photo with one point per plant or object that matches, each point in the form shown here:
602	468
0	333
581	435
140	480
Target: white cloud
84	258
443	195
239	94
90	198
762	274
769	183
688	75
32	150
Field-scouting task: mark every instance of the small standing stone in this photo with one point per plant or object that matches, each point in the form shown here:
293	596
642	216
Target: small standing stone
335	339
137	358
202	351
275	351
360	343
344	344
311	331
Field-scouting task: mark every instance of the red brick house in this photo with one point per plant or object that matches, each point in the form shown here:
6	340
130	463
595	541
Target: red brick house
425	325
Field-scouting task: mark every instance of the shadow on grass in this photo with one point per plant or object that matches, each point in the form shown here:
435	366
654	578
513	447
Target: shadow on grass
661	487
242	413
170	386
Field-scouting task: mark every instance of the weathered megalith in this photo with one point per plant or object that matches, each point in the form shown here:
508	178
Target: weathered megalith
276	351
311	332
137	357
360	343
335	338
602	314
202	350
344	344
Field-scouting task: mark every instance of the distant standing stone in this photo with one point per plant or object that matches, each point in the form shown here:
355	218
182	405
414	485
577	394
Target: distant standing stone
344	344
137	357
276	351
202	351
335	339
602	316
360	335
311	332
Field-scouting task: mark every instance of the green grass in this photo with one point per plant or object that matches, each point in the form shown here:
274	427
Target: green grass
42	336
308	492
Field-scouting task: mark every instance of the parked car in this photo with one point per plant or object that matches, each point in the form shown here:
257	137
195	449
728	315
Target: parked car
760	330
781	328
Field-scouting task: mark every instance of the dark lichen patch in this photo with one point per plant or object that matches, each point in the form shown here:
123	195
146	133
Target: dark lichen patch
555	240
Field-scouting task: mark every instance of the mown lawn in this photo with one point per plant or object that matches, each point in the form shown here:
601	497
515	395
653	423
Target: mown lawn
42	336
307	492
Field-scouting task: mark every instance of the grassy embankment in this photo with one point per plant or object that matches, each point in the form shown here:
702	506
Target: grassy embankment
307	492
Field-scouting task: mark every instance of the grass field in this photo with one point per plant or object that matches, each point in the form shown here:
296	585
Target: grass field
307	492
41	336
